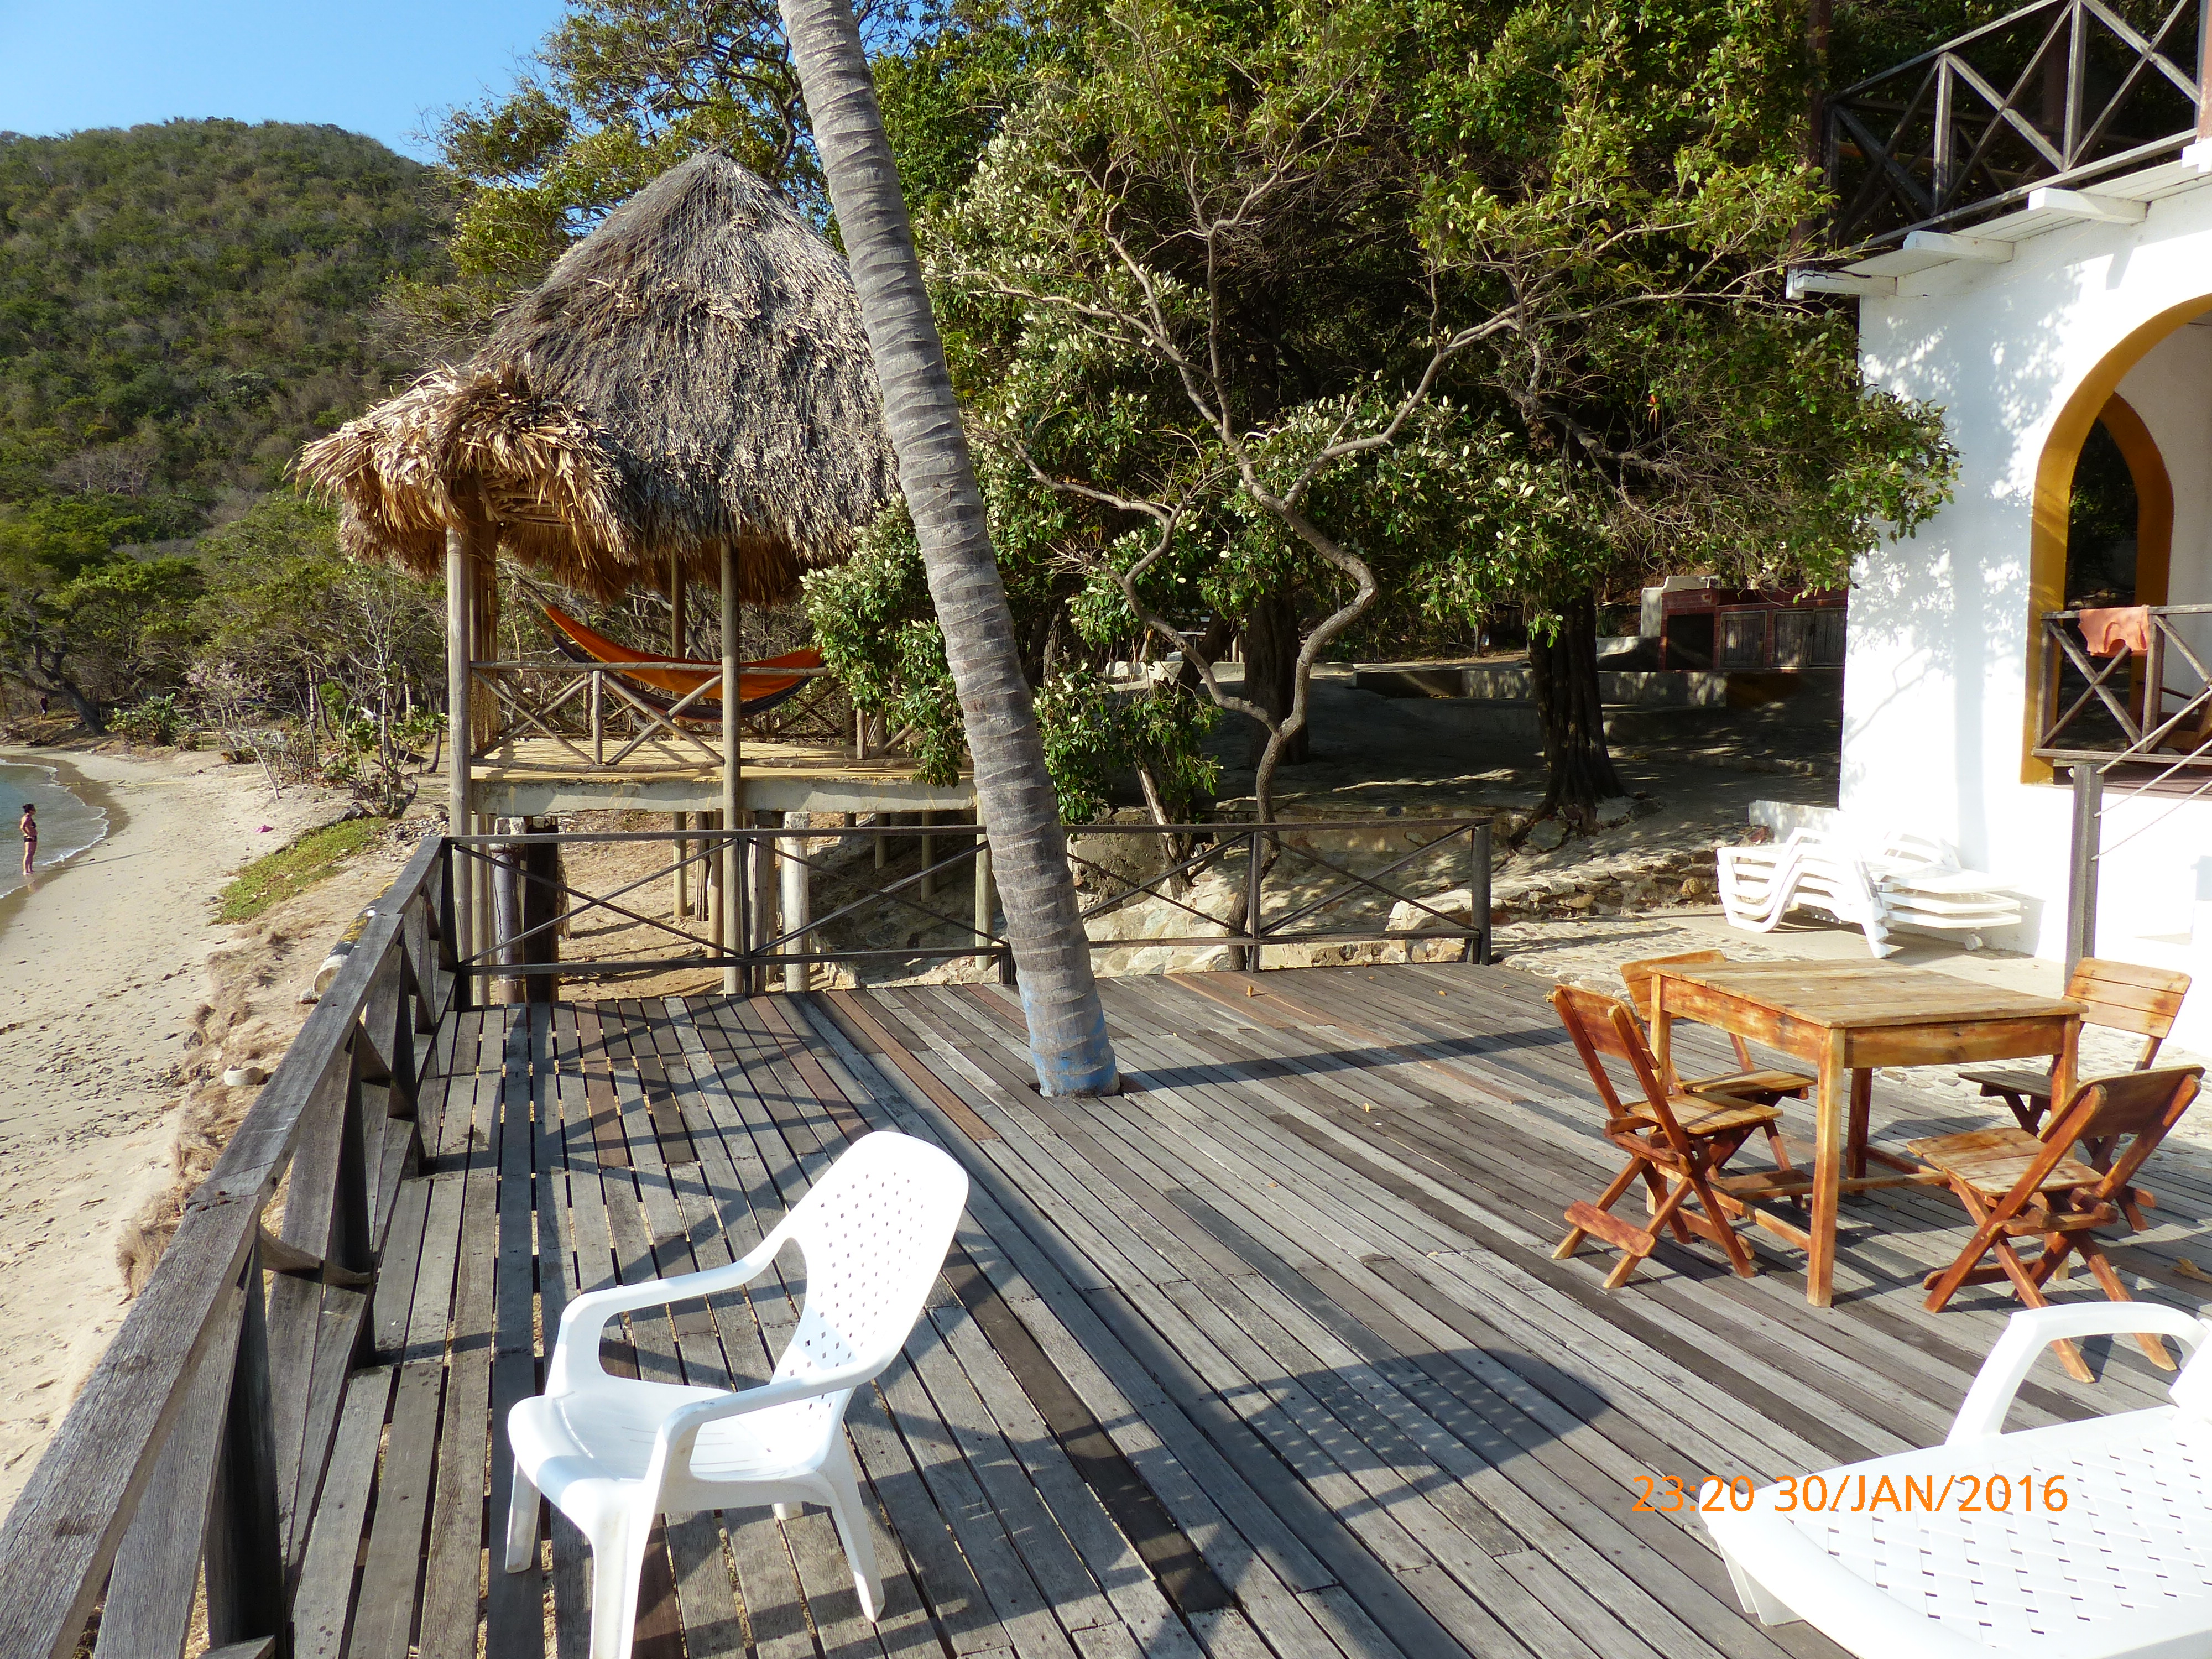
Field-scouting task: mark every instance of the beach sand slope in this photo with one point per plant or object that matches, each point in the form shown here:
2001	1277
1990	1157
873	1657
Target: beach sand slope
104	964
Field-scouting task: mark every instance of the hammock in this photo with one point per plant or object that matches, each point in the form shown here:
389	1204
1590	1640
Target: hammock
760	688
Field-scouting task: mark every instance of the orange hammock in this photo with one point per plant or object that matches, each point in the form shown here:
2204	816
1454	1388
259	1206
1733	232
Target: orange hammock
759	686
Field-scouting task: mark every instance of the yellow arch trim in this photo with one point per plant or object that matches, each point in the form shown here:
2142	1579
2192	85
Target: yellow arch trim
2053	501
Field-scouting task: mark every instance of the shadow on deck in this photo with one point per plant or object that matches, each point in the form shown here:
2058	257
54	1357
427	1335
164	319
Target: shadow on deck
1266	1355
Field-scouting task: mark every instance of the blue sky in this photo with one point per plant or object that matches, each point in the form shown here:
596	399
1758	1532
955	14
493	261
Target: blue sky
381	67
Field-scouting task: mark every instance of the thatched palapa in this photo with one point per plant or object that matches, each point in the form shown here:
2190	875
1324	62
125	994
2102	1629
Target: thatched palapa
693	373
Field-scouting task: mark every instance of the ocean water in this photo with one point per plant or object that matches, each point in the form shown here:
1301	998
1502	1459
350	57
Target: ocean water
66	825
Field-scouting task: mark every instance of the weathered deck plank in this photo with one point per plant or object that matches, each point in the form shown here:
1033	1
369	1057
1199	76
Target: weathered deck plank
1265	1358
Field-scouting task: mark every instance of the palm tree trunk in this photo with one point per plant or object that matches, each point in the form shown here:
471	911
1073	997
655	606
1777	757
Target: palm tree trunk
1068	1027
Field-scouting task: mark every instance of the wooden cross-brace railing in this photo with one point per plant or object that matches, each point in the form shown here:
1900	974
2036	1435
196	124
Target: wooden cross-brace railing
2057	94
197	1448
2179	736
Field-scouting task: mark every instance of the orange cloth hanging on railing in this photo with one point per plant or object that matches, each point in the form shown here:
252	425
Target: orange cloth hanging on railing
2109	632
757	682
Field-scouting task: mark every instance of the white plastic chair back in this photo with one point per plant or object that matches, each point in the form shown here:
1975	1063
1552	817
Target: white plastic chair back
874	1231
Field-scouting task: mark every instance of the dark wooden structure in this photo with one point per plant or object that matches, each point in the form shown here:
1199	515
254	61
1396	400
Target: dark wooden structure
2055	95
1265	1356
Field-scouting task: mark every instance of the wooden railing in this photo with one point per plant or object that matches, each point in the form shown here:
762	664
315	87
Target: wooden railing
196	1450
775	925
2057	94
596	718
2118	710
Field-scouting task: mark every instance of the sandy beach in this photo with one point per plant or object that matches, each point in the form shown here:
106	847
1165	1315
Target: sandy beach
106	961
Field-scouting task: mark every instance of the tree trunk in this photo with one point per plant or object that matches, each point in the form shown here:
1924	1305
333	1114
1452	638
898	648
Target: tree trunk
1270	669
1066	1025
1563	673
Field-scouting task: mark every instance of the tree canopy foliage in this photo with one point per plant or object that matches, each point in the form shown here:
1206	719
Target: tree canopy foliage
621	91
1352	321
182	306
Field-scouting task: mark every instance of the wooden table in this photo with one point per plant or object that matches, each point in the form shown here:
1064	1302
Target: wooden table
1845	1018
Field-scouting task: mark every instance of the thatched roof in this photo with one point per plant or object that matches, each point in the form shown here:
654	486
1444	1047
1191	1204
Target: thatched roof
692	373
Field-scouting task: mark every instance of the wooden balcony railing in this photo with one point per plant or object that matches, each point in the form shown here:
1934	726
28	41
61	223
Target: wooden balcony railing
595	717
2057	93
2119	711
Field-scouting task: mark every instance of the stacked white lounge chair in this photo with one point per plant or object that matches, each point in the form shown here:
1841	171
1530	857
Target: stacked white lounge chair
1903	880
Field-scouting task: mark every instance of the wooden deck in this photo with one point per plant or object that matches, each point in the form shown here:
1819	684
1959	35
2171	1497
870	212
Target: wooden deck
535	776
1265	1356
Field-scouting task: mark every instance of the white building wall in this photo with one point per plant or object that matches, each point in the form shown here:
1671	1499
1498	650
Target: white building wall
1936	682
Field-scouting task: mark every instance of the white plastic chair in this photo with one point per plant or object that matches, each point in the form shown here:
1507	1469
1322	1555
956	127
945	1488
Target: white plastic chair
612	1452
2124	1568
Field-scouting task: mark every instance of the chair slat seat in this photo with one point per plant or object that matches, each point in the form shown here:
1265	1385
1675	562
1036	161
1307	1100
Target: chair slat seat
1704	1118
2029	1082
1765	1086
1993	1161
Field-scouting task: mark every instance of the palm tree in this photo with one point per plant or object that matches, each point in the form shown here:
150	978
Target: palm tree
1059	998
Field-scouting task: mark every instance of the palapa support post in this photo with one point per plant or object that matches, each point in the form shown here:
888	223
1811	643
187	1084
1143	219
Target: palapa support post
460	586
484	713
733	788
678	643
928	858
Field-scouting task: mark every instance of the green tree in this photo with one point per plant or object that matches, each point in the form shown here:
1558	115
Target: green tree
622	91
81	616
182	306
1322	313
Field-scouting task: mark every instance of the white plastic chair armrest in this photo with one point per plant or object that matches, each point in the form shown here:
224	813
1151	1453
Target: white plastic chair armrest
2030	1331
672	1442
582	1321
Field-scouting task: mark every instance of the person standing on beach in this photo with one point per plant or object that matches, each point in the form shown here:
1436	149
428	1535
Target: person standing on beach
30	835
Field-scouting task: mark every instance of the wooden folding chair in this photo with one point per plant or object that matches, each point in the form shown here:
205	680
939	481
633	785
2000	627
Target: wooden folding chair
2014	1184
1676	1143
2116	995
1764	1086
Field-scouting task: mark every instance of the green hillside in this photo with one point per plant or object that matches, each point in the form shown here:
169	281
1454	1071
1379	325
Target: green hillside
182	306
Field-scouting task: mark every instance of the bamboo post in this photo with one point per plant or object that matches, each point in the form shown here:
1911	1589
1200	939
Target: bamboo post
733	788
680	899
798	907
460	635
483	645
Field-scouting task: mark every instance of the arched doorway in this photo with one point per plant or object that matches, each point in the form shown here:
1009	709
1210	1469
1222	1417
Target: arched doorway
2097	420
2119	527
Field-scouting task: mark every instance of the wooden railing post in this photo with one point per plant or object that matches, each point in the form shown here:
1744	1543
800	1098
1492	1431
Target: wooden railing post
2081	865
1255	895
2205	68
246	1589
1946	83
1477	886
